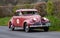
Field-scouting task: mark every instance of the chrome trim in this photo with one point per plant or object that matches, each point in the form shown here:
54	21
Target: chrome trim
47	25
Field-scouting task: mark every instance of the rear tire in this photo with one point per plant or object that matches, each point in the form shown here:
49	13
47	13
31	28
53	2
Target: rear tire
11	27
46	29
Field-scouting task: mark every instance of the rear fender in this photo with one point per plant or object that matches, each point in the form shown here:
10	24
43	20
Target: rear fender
10	22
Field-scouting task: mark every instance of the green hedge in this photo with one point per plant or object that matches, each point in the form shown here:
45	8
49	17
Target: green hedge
25	6
50	8
55	23
4	21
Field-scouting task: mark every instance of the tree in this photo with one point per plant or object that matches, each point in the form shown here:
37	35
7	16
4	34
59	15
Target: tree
41	6
50	8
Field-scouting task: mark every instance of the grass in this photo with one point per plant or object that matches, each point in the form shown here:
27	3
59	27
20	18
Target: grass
4	21
55	23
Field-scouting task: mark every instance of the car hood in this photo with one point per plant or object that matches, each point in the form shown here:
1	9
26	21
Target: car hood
35	18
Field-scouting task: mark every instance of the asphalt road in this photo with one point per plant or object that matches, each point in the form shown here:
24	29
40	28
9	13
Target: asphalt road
6	33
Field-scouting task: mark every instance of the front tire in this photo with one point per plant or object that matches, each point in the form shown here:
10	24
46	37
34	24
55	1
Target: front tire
27	29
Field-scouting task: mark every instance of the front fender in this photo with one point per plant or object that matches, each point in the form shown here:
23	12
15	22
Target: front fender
27	21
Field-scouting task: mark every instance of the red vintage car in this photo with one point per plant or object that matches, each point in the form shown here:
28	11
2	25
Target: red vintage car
28	19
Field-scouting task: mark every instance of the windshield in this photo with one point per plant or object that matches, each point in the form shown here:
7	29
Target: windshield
29	12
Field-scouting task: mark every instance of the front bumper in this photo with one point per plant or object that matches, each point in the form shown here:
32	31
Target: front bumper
46	25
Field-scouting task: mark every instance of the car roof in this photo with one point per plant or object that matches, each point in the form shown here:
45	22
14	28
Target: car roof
26	10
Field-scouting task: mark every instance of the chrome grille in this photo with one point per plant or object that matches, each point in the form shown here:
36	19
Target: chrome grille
38	23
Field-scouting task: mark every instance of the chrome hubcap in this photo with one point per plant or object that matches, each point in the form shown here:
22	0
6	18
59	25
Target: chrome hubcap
27	29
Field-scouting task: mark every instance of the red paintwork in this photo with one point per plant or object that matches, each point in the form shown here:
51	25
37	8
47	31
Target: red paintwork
24	19
28	19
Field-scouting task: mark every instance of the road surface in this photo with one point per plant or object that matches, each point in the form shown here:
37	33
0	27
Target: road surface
6	33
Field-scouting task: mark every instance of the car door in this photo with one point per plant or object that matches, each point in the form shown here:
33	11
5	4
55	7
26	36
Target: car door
17	19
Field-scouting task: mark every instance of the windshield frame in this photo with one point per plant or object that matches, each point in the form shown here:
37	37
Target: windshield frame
30	13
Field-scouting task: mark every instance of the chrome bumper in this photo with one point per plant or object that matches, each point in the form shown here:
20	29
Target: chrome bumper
46	25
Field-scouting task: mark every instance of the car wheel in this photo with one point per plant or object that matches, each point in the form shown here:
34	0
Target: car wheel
11	27
46	29
27	29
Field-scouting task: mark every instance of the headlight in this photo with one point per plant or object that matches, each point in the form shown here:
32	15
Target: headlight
34	19
45	18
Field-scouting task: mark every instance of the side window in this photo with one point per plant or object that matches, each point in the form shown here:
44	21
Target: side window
18	14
